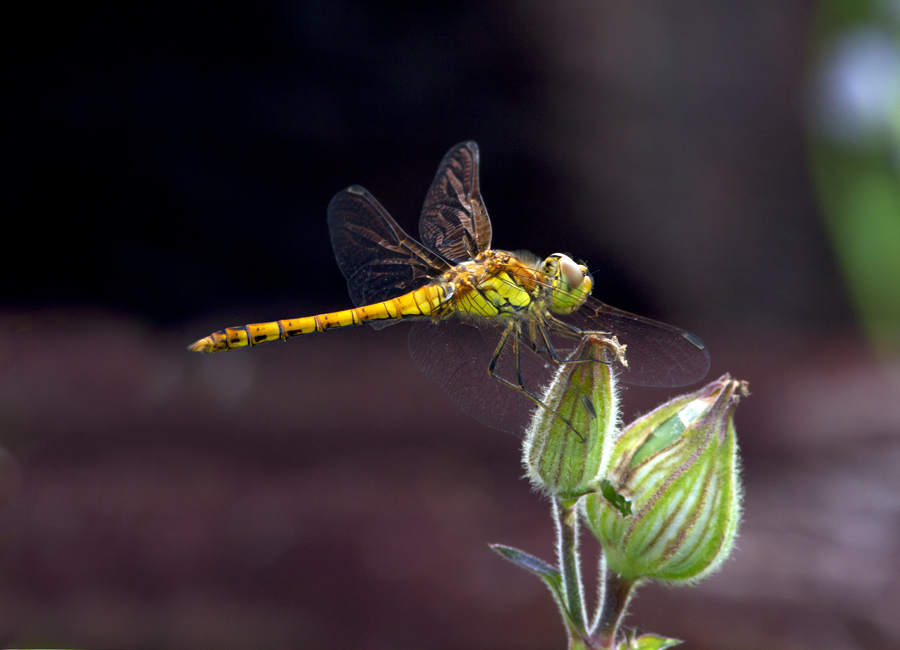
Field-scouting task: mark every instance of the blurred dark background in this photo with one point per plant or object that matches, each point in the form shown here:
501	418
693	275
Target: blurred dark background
170	173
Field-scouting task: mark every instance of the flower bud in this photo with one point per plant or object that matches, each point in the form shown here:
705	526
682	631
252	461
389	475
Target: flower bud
678	466
568	443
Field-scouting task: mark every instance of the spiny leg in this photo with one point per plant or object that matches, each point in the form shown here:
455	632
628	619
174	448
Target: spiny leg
514	330
536	326
586	402
564	329
570	331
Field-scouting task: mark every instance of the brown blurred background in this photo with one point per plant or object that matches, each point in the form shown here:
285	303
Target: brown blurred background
172	172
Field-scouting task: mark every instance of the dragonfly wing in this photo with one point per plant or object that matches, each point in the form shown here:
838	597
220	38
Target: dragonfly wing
378	259
455	356
454	220
657	354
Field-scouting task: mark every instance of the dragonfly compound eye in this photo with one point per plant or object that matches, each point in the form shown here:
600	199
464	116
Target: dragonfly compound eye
572	272
572	283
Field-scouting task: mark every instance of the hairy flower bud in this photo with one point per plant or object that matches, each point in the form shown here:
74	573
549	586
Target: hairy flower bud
567	445
678	466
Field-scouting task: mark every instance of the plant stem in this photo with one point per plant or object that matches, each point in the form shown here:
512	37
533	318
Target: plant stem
616	594
566	519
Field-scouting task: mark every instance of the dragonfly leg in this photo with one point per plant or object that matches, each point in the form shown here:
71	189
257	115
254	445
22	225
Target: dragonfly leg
514	331
571	333
561	328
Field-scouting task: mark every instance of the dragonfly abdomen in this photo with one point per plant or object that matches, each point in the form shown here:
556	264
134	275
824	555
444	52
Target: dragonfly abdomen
421	303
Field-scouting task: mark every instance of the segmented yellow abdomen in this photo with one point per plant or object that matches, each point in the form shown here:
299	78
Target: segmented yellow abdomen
421	303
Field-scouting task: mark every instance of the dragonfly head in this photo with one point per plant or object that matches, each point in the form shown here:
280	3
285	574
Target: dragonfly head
571	283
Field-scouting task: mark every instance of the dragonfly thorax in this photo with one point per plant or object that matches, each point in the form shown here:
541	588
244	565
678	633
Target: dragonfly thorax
494	284
498	284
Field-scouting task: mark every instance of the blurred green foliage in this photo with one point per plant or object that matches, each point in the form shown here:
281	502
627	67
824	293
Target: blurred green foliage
855	154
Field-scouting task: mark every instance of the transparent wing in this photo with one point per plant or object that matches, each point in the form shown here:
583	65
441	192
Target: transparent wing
657	354
454	221
455	355
378	259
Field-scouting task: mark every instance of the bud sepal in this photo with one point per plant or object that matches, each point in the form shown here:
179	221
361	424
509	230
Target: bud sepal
568	443
678	467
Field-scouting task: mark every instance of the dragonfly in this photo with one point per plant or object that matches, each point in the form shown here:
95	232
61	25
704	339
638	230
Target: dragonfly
491	327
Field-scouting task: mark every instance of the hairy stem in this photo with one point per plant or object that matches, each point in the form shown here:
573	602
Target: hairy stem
616	592
570	565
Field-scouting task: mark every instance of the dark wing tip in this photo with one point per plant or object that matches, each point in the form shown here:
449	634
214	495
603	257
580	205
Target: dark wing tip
338	198
693	338
471	145
699	363
670	359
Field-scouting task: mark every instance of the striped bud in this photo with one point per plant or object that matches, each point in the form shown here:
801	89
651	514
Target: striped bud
678	466
567	445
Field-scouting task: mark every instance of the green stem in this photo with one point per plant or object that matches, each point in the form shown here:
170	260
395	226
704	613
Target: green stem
617	592
566	519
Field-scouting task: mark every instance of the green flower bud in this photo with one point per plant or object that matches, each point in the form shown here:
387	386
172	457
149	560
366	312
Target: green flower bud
567	445
678	465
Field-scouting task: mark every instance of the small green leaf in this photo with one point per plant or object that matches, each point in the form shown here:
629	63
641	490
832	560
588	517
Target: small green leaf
648	642
536	565
546	572
615	499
